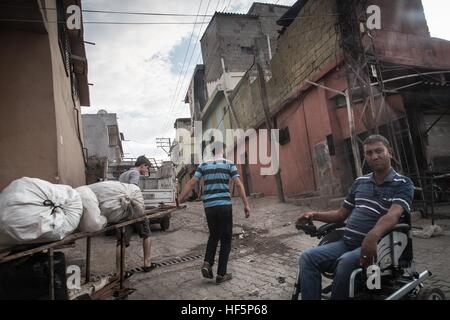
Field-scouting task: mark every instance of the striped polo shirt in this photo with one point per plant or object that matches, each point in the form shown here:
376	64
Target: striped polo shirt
216	175
368	202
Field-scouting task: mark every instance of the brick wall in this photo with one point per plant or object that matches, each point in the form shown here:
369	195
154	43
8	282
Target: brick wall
308	46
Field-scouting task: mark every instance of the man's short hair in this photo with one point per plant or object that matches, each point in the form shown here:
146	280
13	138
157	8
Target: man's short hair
377	138
142	160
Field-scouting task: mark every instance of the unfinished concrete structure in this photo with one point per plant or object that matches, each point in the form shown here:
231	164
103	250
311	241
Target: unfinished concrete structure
230	40
102	137
103	143
43	83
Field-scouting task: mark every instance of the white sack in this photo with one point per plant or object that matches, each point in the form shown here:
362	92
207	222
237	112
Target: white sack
92	220
119	201
34	211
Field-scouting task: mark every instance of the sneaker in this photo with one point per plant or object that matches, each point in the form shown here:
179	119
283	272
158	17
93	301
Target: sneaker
207	271
221	279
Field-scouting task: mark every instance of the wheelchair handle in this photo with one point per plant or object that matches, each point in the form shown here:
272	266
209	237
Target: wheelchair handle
309	228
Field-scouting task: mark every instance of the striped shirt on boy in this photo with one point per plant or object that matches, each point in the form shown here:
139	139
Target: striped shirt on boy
216	175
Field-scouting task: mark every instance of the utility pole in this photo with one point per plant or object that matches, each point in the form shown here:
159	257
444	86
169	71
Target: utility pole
265	104
230	105
164	143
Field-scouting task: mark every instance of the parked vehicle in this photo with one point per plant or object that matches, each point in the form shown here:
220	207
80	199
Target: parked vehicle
159	188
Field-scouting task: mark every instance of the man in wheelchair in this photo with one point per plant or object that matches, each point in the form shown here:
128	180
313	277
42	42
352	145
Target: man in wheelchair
374	206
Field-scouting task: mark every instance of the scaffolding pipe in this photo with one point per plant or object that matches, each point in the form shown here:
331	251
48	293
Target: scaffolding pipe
351	123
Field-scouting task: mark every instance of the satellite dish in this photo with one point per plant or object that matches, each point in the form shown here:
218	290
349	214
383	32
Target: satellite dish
102	111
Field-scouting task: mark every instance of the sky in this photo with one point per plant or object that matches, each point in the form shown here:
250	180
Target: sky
136	70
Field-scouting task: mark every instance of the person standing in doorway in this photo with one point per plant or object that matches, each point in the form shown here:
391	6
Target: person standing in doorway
216	174
132	176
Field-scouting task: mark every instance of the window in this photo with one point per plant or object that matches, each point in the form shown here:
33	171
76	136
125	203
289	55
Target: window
340	101
247	50
64	47
285	137
113	134
331	147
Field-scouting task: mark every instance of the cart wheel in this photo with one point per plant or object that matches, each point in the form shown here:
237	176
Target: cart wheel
431	294
165	223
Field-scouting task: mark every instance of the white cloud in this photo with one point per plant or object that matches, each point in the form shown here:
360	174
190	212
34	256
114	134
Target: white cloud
437	12
131	69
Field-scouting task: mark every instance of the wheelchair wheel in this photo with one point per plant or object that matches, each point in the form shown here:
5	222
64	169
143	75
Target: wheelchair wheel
431	294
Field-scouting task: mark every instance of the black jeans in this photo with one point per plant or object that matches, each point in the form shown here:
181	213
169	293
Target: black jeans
220	225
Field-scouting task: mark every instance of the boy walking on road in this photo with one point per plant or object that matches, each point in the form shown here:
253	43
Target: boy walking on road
216	174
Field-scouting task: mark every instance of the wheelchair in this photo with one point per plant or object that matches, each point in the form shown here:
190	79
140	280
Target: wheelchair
399	279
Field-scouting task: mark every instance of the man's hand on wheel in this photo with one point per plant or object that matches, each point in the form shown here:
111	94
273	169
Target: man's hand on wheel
304	219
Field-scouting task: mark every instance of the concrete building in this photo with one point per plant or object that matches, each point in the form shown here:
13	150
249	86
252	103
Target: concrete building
102	137
230	41
196	96
182	152
103	143
43	83
183	145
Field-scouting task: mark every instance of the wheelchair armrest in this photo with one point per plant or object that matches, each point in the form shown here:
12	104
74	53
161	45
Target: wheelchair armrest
326	228
402	227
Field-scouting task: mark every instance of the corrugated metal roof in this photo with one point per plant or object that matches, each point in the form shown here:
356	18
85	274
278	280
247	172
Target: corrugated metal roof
267	5
235	14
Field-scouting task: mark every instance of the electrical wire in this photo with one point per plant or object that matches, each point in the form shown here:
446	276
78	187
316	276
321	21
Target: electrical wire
184	61
189	64
226	8
105	22
162	14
